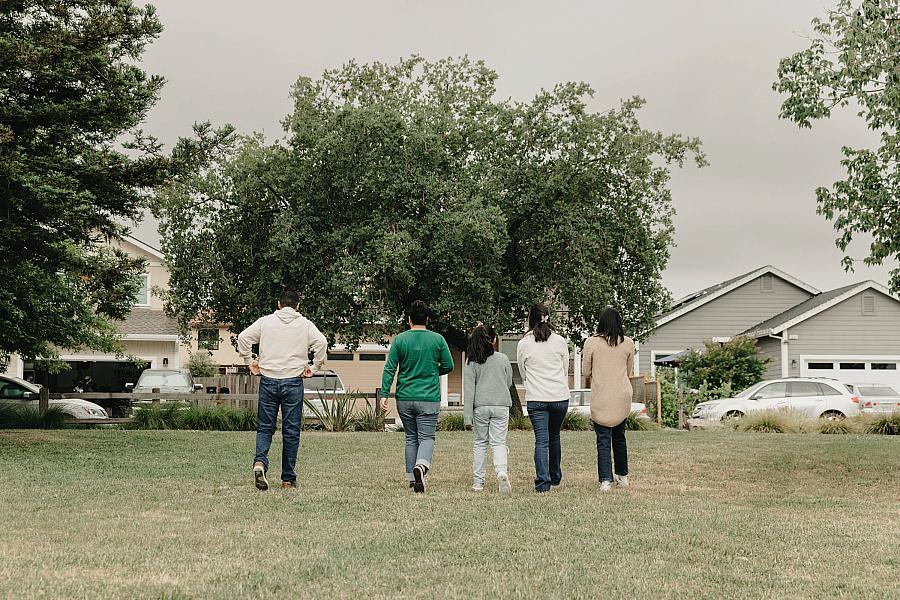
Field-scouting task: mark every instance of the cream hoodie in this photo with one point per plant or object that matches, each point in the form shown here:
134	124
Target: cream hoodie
285	338
544	367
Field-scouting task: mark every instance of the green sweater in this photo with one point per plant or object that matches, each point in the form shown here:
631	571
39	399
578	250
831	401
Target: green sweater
418	357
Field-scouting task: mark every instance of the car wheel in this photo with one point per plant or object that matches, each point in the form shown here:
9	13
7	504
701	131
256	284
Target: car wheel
832	415
732	414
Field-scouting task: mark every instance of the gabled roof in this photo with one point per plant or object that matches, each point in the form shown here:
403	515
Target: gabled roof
145	247
147	321
812	307
696	300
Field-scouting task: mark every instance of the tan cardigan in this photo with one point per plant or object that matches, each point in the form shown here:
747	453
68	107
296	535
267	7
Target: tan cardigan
609	368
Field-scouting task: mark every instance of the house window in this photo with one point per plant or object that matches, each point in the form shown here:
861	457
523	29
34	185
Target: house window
868	305
380	356
820	366
207	339
340	356
142	297
767	284
854	366
884	366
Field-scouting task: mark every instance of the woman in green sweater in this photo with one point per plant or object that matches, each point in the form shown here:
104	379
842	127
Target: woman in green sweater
488	376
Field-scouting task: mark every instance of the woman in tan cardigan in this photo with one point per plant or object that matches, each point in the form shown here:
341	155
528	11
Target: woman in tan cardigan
607	362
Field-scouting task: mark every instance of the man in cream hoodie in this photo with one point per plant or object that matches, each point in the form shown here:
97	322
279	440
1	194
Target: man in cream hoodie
285	338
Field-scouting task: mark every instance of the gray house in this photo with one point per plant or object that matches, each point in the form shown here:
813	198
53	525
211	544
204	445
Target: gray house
851	333
722	311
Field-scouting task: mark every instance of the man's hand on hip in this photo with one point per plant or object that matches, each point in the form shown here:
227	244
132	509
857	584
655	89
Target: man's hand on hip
254	367
307	372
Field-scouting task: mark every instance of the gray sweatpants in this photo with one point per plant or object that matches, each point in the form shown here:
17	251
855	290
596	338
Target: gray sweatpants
491	423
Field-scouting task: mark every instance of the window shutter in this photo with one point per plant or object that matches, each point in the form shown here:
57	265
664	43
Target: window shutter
768	283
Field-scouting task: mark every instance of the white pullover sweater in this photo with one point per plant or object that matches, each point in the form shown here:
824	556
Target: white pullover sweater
285	338
544	367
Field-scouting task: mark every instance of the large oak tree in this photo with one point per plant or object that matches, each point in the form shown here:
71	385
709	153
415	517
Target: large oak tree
412	180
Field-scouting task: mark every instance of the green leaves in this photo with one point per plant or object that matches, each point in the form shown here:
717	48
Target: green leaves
69	91
411	181
855	58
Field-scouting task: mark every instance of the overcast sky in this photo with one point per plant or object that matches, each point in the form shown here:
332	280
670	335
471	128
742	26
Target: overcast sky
704	66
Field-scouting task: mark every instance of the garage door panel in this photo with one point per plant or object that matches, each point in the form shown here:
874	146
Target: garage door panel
854	369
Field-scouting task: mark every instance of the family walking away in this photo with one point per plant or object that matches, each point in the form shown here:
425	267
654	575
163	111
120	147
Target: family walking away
418	358
285	339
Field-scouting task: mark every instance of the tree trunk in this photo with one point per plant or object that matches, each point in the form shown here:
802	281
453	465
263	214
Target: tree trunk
516	409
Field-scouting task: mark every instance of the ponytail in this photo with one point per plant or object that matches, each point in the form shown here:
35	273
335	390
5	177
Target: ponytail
539	323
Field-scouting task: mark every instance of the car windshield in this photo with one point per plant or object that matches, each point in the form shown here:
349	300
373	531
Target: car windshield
323	382
161	380
749	391
880	391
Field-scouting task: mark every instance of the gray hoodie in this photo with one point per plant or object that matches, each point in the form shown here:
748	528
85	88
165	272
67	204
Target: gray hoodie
285	338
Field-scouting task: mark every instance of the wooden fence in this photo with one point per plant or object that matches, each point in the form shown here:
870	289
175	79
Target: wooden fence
649	393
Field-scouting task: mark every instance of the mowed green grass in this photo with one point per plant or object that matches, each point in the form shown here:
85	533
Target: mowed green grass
174	514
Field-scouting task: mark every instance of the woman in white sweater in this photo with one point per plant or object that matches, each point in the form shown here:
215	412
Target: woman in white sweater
543	358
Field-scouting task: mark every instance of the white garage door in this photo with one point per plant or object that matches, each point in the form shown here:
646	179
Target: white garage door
854	369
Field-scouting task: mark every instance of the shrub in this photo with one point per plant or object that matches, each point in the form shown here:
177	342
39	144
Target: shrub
451	421
336	412
201	364
836	426
773	421
574	421
30	417
369	418
519	422
736	363
884	424
635	422
177	415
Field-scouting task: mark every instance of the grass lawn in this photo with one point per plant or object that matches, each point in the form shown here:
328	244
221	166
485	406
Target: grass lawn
710	514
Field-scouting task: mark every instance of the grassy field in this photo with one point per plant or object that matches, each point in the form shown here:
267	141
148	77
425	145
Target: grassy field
174	514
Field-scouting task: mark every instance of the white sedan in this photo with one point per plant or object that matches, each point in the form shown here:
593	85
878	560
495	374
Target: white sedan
580	402
809	397
20	392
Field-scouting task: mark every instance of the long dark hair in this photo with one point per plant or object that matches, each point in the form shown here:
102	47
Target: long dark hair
539	322
610	327
481	344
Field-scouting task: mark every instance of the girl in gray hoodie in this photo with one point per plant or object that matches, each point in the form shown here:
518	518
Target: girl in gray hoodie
488	376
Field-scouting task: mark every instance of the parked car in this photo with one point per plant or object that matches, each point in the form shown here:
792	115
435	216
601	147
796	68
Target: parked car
808	396
876	397
20	392
580	402
166	381
325	384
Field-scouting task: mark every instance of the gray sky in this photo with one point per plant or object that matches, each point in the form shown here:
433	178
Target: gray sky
705	68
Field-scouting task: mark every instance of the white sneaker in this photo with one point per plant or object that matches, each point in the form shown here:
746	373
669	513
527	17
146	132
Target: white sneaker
621	480
503	485
605	486
477	487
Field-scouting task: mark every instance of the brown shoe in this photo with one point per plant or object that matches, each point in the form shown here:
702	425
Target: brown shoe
259	475
287	485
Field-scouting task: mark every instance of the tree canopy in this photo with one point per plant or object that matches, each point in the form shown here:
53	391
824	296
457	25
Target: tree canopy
69	91
412	181
853	60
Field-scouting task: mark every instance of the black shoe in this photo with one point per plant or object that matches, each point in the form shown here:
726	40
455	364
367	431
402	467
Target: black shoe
259	475
419	475
411	484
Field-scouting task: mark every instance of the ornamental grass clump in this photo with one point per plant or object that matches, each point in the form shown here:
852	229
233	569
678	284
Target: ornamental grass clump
368	418
451	422
884	424
574	421
30	417
771	421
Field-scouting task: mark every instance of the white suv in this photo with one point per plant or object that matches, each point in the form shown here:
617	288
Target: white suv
810	397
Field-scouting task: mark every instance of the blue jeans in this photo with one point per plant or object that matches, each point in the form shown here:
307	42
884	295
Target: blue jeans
419	424
546	420
611	438
288	394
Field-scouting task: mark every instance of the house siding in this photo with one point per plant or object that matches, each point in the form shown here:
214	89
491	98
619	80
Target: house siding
727	315
770	348
843	330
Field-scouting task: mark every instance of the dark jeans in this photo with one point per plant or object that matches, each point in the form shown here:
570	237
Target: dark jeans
419	424
288	394
546	420
616	435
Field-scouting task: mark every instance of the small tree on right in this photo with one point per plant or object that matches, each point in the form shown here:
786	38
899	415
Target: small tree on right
735	364
853	61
